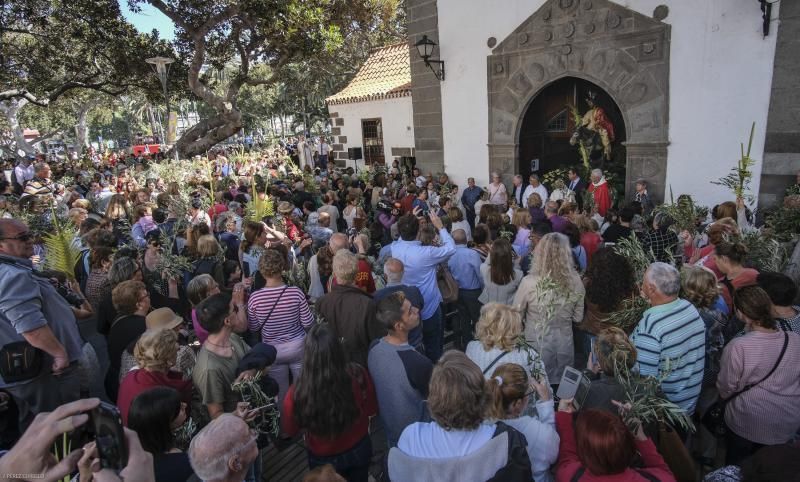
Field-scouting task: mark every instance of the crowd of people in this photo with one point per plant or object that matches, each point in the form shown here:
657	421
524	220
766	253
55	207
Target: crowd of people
385	303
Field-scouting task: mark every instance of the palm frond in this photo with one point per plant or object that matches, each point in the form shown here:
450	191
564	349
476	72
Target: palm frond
738	180
62	254
258	209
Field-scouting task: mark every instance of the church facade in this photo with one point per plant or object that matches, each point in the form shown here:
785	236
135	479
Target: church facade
679	84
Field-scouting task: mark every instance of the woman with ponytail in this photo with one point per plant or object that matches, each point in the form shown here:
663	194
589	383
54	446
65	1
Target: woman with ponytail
509	389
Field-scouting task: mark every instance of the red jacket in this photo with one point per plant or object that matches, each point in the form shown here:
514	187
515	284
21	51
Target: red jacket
569	463
367	402
137	381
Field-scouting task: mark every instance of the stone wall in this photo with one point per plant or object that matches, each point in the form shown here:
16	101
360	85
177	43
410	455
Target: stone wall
782	145
426	88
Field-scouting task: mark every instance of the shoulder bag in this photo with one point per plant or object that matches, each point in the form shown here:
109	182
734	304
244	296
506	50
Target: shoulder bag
447	284
253	338
485	371
714	418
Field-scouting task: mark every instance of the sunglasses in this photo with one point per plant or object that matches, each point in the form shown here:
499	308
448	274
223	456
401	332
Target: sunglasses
26	236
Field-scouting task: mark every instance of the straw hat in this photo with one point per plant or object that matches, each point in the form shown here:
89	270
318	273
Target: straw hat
162	318
285	207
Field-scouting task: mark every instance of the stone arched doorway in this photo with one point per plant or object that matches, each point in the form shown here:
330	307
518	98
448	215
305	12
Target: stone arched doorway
624	53
548	124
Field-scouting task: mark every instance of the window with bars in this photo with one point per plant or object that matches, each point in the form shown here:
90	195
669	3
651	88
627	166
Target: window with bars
372	133
558	123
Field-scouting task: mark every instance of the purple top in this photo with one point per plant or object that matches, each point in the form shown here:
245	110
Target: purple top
201	332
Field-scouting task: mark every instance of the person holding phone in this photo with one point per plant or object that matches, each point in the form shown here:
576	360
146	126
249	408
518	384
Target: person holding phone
32	453
599	444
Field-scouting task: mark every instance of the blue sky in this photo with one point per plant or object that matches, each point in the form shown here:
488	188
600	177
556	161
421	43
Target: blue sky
148	19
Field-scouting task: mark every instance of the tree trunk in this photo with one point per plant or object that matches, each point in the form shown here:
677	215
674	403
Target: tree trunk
206	134
11	110
81	129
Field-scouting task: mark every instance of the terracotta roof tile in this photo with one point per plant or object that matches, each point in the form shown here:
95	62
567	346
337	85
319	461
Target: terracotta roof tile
385	74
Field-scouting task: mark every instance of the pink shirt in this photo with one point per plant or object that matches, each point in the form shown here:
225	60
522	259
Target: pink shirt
768	413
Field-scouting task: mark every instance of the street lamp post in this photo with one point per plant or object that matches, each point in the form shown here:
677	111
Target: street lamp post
161	69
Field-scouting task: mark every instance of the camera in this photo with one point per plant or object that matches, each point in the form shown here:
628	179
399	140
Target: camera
72	298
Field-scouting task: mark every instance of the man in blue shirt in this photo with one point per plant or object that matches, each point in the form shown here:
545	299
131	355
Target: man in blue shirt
32	311
468	199
465	266
420	264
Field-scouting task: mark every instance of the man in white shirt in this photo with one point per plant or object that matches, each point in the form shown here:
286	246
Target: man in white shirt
24	172
534	187
324	150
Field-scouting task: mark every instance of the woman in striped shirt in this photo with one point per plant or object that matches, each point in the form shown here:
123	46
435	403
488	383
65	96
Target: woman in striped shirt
282	316
769	412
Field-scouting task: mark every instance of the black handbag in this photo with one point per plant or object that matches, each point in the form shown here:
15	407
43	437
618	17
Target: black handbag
714	418
252	338
20	361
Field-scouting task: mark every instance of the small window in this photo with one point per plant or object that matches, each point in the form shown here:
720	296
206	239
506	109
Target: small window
558	123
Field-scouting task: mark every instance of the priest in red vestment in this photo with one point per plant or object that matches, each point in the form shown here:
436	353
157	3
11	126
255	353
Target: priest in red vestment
600	192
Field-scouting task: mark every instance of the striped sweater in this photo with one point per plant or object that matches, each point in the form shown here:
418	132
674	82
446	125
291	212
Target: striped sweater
673	336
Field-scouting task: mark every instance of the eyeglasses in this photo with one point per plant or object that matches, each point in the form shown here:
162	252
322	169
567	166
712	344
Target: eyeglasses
26	236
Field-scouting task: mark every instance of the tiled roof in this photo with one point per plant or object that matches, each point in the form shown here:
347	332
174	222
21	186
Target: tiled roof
385	74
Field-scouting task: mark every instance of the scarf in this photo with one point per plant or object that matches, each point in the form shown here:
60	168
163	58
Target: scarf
600	182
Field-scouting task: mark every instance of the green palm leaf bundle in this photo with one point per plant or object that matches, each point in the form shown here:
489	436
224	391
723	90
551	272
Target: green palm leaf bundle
738	180
62	254
647	401
258	209
268	419
631	249
628	314
685	213
578	119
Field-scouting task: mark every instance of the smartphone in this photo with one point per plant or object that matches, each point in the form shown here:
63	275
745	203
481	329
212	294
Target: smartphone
106	423
574	385
594	357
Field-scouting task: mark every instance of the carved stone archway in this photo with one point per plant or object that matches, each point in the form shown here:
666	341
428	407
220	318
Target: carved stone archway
622	51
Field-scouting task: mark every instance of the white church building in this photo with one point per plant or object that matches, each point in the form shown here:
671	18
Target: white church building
680	81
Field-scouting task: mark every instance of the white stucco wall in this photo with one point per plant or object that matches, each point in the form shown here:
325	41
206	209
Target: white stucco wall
720	79
397	118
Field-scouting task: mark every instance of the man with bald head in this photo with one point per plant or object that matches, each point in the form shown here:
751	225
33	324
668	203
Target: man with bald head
465	266
394	270
224	450
32	312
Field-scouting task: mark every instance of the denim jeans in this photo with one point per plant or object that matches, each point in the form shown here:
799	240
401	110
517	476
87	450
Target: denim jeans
433	335
352	464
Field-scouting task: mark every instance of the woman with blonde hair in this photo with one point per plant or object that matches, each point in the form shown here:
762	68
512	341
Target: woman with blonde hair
510	389
536	208
699	287
522	242
550	299
156	352
208	259
497	333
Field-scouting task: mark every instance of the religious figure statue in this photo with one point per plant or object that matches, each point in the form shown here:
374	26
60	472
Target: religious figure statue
595	130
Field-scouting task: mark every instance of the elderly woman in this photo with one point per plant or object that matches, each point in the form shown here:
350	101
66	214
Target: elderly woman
498	333
457	441
550	298
501	275
498	195
156	353
280	315
759	379
208	261
510	389
132	303
612	352
536	208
